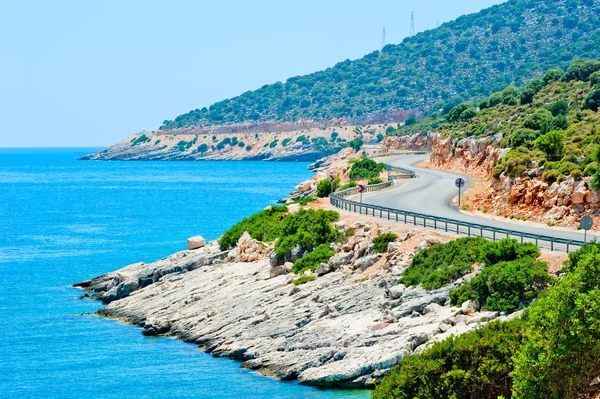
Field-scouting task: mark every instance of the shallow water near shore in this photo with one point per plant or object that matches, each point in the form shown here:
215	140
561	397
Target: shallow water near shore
63	221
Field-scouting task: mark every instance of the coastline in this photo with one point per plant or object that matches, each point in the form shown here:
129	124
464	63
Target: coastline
345	329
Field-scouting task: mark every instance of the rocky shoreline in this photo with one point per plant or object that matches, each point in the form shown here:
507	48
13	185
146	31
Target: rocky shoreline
346	328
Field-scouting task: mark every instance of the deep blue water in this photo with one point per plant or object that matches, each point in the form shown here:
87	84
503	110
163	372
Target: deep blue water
63	221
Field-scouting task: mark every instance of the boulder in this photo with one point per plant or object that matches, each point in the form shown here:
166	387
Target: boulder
366	261
340	259
278	271
322	269
196	242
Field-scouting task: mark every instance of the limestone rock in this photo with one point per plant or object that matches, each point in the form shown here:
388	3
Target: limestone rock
196	242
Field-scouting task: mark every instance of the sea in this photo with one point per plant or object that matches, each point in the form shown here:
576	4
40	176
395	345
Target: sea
63	221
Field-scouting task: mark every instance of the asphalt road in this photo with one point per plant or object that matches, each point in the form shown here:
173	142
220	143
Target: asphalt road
432	192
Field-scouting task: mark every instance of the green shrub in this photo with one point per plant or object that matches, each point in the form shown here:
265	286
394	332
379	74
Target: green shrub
301	139
312	260
286	142
561	353
380	243
303	280
203	147
551	176
591	169
595	79
306	201
523	137
325	187
306	229
567	167
248	147
442	264
366	169
456	113
241	144
375	180
541	120
505	286
559	107
356	144
140	140
576	174
274	143
262	226
475	365
552	144
592	101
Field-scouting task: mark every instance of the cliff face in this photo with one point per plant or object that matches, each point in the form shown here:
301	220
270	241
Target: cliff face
307	144
559	203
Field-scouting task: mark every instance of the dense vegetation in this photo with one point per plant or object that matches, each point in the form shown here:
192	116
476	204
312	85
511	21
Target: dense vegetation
366	168
380	243
553	122
442	264
472	365
462	60
552	352
505	286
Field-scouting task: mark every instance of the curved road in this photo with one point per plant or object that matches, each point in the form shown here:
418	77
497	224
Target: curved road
432	191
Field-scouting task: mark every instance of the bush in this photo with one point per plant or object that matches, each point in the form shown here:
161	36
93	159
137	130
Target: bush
411	120
591	169
375	180
576	174
303	280
558	108
595	79
592	101
356	144
325	187
306	229
202	147
442	264
311	261
473	365
541	120
241	144
286	142
380	243
273	143
523	137
551	176
380	137
552	143
306	201
553	75
262	226
456	113
531	90
561	353
505	286
248	147
366	169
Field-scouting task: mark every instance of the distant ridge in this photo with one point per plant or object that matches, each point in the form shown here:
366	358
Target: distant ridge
465	59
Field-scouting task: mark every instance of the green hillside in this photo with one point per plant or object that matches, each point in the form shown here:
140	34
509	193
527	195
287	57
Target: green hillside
553	122
465	59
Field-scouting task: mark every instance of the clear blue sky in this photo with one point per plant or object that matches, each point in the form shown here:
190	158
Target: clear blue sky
83	73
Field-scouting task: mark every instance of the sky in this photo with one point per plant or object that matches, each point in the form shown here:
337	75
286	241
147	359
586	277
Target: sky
87	74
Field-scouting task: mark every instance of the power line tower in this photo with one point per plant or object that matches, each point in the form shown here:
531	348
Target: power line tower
412	23
383	43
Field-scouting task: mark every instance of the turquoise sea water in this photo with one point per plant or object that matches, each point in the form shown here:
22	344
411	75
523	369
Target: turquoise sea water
63	221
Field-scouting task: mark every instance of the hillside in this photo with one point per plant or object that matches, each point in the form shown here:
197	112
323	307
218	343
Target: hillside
462	60
538	149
